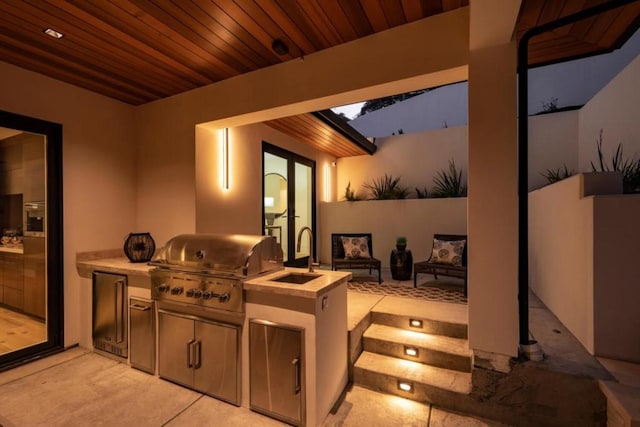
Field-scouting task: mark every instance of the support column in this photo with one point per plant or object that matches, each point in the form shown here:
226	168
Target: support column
492	201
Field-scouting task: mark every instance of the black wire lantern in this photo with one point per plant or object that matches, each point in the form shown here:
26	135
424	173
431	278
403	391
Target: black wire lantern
139	247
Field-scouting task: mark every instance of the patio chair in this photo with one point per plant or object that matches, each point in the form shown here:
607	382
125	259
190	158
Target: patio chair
447	265
355	260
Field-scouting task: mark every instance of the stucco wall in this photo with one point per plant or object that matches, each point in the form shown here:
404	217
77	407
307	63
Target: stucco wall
239	209
415	158
418	157
441	107
614	109
589	280
616	273
416	219
99	173
553	143
561	275
492	201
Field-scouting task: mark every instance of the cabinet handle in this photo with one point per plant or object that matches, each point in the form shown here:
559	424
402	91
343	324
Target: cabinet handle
190	354
119	311
295	363
140	307
197	354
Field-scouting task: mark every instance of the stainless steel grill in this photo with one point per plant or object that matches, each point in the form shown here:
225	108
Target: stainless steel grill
198	288
208	269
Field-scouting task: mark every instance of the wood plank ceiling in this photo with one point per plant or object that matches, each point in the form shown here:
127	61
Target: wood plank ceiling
599	34
138	51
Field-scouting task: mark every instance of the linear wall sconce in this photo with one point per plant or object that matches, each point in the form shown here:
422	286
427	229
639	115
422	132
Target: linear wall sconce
327	194
225	158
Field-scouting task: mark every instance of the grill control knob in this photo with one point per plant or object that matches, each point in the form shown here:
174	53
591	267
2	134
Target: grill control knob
206	295
197	293
190	292
163	287
224	298
177	290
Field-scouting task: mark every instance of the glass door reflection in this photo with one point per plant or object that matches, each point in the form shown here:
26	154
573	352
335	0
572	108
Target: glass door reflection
289	200
23	257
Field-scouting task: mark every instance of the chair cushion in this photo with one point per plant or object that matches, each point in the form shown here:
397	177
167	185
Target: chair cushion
355	247
448	252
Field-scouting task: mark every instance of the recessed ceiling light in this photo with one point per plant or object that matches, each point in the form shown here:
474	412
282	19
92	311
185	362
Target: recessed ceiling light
53	33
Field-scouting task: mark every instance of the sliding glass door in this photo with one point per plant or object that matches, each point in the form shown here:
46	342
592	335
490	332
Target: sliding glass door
31	310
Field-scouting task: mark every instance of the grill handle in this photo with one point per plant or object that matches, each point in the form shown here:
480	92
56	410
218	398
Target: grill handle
119	311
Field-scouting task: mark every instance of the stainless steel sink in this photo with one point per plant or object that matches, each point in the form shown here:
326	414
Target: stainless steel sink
297	278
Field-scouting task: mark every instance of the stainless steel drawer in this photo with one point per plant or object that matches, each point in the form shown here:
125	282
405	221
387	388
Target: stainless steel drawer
142	335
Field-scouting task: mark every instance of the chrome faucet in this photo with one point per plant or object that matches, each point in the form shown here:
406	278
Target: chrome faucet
310	245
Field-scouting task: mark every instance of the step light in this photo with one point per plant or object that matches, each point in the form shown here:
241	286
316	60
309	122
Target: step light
415	323
410	351
405	386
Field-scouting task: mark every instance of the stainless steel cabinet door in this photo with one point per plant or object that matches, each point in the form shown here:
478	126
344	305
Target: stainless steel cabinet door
142	333
216	360
110	313
175	344
276	365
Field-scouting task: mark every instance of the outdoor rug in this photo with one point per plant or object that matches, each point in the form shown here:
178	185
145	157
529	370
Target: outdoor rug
439	293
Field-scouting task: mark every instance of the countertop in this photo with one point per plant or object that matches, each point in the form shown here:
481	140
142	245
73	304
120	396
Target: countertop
113	265
88	262
15	248
314	288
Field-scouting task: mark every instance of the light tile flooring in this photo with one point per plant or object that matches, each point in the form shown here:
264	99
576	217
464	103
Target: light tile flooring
19	331
82	388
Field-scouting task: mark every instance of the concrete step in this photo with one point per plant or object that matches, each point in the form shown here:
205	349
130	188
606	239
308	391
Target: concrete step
435	350
430	384
428	325
623	404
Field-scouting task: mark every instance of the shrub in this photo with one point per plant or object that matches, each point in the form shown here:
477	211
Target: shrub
422	194
555	175
386	188
449	183
349	194
630	168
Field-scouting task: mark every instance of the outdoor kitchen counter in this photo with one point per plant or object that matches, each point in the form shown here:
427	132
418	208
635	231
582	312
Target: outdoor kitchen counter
113	262
313	289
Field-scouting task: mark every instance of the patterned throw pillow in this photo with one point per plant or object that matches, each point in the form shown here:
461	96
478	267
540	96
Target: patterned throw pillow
355	247
448	252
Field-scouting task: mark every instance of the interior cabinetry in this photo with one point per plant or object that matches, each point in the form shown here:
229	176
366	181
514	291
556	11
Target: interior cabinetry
12	280
33	185
11	166
35	281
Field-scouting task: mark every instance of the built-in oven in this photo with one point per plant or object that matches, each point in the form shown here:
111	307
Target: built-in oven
34	219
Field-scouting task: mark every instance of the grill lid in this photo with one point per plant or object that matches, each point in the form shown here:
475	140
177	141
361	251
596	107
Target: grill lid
235	254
